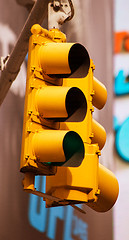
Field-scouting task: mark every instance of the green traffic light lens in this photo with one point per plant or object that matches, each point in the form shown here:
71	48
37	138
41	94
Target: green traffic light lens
73	150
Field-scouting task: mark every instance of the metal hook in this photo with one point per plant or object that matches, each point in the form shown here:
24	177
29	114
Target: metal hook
59	12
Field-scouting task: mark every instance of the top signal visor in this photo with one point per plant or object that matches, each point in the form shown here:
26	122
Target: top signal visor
63	60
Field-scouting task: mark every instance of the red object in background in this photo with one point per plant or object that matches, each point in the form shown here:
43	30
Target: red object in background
121	42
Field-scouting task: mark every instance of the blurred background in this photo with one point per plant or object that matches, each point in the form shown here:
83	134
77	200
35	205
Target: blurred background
103	28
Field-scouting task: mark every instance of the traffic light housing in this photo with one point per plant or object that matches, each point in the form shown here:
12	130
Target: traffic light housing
60	138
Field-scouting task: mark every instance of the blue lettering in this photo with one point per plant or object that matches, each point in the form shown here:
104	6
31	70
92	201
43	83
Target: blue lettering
116	124
37	210
80	228
55	212
121	86
122	140
68	223
40	217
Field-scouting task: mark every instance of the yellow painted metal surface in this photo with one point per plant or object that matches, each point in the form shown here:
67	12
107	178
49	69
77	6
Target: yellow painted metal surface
52	101
100	94
99	134
77	184
49	58
59	129
52	146
109	189
28	182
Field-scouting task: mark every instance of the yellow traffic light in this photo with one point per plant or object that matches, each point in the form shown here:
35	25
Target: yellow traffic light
60	138
48	102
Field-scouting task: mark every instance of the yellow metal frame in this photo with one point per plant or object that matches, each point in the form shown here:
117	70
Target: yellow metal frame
67	185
